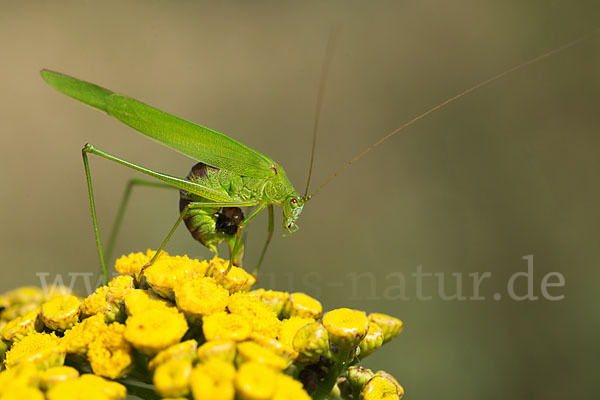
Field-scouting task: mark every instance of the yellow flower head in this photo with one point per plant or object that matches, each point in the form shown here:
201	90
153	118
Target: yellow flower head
24	374
289	388
22	326
77	339
381	388
289	328
87	387
118	287
155	329
220	348
372	341
23	295
61	312
359	376
279	348
96	303
346	327
132	264
302	305
139	301
274	299
213	380
226	326
42	349
172	378
311	342
200	296
260	316
255	381
390	326
23	392
169	271
391	379
109	353
180	351
52	376
233	279
252	351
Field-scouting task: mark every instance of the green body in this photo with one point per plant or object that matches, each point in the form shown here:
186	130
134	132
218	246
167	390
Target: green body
240	176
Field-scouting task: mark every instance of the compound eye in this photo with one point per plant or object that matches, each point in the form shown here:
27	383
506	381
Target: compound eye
294	202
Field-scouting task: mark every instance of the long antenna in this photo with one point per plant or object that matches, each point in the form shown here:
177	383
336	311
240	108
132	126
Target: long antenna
452	99
322	83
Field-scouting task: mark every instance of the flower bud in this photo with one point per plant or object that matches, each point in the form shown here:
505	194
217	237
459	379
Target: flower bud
372	341
346	327
390	326
302	305
311	342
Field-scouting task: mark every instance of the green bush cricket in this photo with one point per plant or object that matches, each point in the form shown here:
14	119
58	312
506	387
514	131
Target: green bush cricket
230	174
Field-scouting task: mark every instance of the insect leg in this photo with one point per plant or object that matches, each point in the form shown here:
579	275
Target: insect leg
238	235
179	183
121	213
187	208
269	237
88	178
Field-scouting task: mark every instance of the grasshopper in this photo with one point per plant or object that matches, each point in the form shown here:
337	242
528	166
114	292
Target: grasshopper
229	175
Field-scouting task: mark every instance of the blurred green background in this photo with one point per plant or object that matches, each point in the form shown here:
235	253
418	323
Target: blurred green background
506	172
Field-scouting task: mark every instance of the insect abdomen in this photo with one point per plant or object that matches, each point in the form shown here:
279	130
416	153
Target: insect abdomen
210	225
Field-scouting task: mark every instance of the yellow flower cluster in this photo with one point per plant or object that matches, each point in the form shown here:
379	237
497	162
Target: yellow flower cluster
195	330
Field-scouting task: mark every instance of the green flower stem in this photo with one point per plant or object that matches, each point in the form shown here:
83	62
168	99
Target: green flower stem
339	366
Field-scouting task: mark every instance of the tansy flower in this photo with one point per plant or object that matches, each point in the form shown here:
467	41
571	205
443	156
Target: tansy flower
289	388
311	342
283	350
226	326
132	263
233	279
180	351
289	328
381	388
264	332
139	301
61	312
52	376
172	378
220	348
346	327
77	339
273	298
22	326
24	374
200	296
23	295
97	303
42	349
118	287
372	341
302	305
167	271
213	380
390	326
23	392
252	351
109	353
87	387
155	329
359	376
260	316
255	381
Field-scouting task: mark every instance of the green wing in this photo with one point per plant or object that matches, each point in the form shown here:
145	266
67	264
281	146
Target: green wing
193	140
